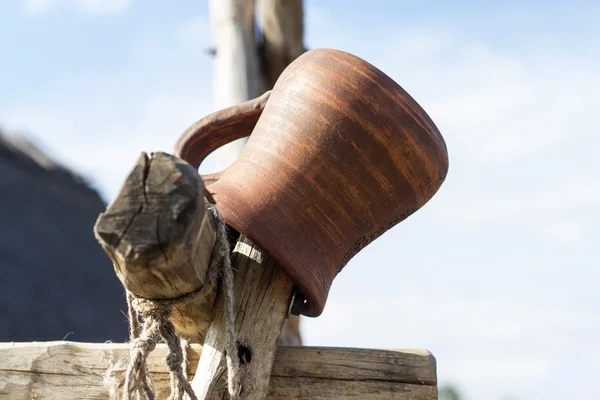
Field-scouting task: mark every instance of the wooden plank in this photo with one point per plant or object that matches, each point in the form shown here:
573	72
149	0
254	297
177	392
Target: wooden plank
321	389
262	296
68	370
407	366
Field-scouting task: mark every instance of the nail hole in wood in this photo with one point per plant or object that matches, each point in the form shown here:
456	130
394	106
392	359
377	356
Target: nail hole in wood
244	354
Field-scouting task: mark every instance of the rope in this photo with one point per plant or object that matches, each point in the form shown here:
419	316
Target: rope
136	383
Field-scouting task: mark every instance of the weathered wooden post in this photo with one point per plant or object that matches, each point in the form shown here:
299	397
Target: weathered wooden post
242	71
338	154
160	237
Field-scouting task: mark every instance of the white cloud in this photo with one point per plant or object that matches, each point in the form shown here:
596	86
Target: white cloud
103	6
151	124
519	129
569	231
493	107
85	6
533	202
563	211
39	6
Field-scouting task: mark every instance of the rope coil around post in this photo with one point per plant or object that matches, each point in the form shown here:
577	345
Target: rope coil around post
136	384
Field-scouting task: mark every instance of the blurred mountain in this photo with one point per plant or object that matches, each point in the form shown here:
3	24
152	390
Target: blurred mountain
55	280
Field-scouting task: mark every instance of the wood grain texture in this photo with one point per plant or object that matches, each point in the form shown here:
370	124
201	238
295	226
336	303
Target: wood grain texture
405	366
67	370
262	298
340	154
160	237
236	69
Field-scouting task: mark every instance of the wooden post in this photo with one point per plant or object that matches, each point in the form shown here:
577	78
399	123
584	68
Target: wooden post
262	299
160	236
241	73
236	73
262	291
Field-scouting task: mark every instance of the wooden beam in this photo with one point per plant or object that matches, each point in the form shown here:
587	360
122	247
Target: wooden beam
67	370
160	237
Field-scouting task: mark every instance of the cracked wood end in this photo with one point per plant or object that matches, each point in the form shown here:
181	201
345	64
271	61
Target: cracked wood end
160	237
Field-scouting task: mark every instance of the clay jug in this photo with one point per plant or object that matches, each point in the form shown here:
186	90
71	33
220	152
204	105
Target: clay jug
338	154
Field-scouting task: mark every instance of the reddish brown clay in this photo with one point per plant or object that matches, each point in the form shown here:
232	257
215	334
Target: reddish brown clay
340	154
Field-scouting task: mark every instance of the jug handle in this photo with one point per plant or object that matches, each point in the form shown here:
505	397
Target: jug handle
217	129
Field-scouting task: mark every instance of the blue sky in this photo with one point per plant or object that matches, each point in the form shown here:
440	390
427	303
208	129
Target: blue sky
497	275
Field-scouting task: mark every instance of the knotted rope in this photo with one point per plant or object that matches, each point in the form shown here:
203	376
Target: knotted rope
136	384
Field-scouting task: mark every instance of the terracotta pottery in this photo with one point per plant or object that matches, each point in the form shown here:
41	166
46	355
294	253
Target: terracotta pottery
338	154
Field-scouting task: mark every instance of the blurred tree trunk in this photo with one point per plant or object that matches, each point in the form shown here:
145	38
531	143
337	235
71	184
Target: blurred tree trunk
282	25
244	69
